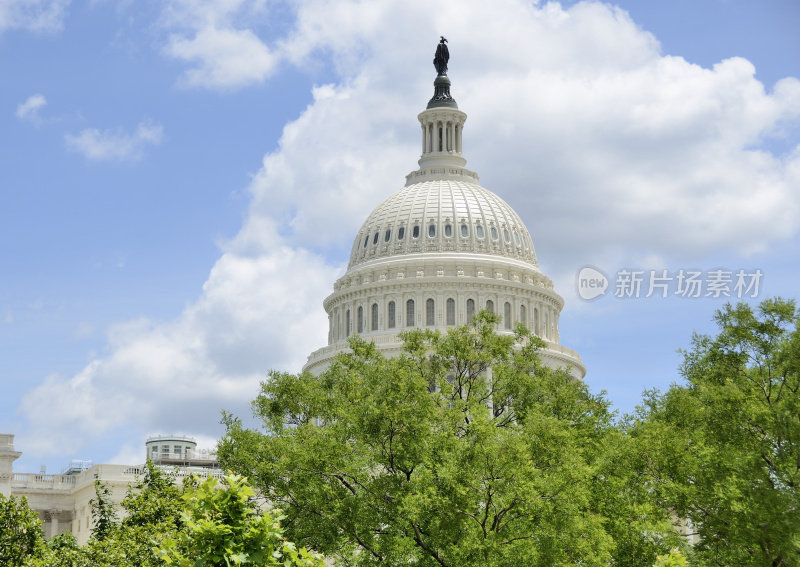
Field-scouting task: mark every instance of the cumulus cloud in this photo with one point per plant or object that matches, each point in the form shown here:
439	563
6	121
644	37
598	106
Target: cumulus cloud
33	15
215	39
29	110
115	144
605	146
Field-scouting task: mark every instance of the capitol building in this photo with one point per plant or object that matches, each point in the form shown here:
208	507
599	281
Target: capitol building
430	256
438	251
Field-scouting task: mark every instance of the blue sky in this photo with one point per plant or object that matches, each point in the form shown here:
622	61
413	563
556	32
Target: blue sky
181	181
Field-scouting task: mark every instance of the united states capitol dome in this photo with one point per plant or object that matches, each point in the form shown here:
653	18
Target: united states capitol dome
438	251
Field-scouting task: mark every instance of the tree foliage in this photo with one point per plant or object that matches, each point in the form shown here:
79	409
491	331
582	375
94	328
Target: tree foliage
20	531
197	524
723	450
224	527
463	451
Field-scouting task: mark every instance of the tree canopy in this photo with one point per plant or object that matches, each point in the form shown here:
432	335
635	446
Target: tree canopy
465	450
723	449
199	524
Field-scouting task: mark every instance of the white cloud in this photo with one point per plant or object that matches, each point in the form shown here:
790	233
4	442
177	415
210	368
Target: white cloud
33	15
29	110
115	144
606	148
217	39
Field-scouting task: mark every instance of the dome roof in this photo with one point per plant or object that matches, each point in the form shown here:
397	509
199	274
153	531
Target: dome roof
443	215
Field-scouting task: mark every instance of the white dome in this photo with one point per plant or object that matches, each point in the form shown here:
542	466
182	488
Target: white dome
438	251
443	215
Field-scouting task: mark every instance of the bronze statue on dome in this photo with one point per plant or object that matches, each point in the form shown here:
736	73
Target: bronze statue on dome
442	57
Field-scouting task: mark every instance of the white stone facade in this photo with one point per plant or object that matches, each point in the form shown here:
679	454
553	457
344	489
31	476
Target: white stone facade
437	251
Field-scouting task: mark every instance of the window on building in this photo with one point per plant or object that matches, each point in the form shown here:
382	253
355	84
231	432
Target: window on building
375	239
494	233
360	320
415	231
366	240
177	449
523	315
464	230
410	313
535	321
374	316
347	323
516	239
387	235
479	231
431	230
430	312
448	230
391	315
451	311
506	236
490	306
470	310
401	232
507	315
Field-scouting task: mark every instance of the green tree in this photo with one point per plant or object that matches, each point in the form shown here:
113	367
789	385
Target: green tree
463	451
224	527
20	531
723	449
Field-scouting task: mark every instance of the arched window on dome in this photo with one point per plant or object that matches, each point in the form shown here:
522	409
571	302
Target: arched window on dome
388	235
431	230
506	236
415	231
523	315
494	233
401	232
430	312
410	313
516	239
374	316
451	311
391	315
366	240
490	306
464	230
375	238
347	323
507	315
360	320
536	321
479	231
448	230
470	310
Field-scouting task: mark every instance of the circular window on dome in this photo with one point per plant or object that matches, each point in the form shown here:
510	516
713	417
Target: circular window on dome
415	231
494	233
388	235
516	239
479	231
448	230
464	230
431	230
401	232
506	236
375	238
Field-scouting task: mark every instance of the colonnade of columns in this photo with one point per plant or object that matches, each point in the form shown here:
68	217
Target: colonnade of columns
441	136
